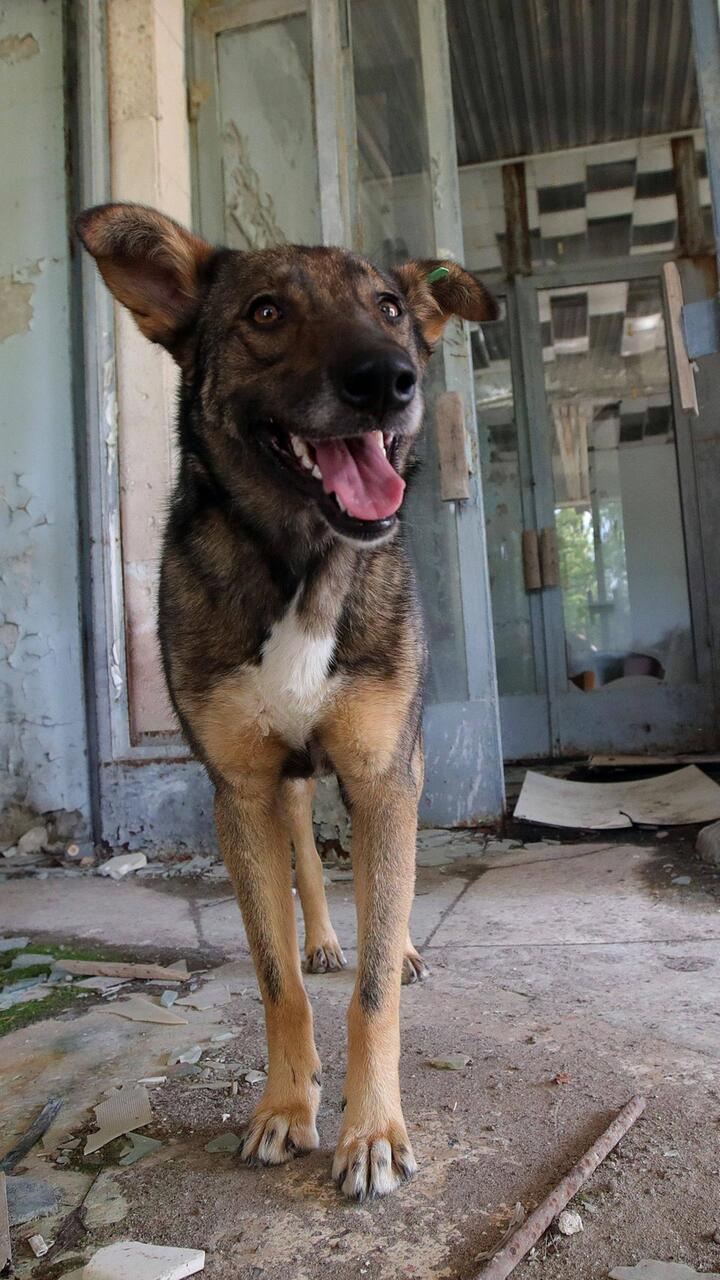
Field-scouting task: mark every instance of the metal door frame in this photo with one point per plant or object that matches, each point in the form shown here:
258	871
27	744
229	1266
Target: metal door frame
572	719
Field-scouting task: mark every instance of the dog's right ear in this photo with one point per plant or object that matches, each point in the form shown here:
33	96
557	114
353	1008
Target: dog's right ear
152	265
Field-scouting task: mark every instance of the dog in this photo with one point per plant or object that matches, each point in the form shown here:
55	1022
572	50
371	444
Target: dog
289	622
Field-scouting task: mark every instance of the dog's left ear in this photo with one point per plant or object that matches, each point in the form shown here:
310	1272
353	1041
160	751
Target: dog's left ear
436	290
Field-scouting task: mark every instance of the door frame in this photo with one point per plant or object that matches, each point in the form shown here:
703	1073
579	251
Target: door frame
570	721
468	733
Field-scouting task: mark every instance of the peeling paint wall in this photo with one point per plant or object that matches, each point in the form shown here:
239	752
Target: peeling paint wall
42	718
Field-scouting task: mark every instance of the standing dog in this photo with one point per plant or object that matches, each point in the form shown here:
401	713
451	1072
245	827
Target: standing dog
289	623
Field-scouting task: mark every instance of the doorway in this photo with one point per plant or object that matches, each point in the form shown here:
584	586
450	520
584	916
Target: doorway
589	491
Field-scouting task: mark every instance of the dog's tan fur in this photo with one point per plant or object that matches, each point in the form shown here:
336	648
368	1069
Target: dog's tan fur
290	631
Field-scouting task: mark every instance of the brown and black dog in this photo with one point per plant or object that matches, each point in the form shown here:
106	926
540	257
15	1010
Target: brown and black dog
289	623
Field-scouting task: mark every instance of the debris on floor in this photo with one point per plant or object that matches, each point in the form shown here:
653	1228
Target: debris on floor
708	844
141	1009
569	1222
225	1144
126	1109
104	1205
39	1245
30	1198
122	864
527	1235
140	1146
119	969
5	1245
456	1063
651	1269
33	1134
132	1260
685	796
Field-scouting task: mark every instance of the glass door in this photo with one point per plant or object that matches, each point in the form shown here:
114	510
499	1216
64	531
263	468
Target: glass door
590	497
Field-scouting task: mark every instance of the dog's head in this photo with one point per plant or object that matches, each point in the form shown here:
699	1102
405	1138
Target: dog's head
307	362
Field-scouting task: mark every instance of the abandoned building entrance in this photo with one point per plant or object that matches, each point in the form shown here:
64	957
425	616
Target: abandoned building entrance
591	519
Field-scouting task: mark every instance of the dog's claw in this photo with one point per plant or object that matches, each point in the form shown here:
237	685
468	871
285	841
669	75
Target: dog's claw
328	957
414	968
275	1137
372	1166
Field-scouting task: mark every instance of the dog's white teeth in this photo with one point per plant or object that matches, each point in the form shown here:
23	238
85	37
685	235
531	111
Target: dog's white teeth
380	439
316	472
302	453
341	504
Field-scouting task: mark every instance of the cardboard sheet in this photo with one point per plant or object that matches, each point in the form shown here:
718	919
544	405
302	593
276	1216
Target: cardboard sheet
672	799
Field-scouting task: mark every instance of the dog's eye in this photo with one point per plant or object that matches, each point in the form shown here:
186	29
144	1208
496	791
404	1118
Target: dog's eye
390	307
265	313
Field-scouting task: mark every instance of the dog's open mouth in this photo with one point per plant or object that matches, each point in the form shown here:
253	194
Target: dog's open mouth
355	472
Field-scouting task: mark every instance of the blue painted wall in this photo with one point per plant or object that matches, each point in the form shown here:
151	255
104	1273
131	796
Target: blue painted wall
43	756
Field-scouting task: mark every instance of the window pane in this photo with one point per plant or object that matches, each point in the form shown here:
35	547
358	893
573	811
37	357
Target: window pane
617	500
270	172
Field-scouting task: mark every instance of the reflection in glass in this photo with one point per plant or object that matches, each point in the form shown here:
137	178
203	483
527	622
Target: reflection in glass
617	501
269	166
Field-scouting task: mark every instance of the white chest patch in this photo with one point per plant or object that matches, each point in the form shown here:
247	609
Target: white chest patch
291	685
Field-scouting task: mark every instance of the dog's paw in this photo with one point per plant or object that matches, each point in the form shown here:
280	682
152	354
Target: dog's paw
369	1165
275	1135
325	956
414	968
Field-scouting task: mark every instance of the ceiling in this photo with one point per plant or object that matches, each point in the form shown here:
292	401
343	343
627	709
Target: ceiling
541	75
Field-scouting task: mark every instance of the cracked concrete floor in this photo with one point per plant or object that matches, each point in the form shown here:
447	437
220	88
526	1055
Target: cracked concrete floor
578	960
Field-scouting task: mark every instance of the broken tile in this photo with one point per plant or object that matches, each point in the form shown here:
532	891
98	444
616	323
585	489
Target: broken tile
126	1109
104	1203
255	1077
29	1198
210	996
168	998
142	1262
28	959
13	944
187	1057
103	985
456	1063
224	1144
140	1009
140	1145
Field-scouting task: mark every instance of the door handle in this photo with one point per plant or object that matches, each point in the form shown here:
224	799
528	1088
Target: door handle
540	559
452	458
531	560
549	563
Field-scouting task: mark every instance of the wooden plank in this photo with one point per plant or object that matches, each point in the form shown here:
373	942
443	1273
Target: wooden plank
119	969
450	427
684	369
626	761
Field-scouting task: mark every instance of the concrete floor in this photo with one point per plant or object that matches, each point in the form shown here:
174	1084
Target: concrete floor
582	961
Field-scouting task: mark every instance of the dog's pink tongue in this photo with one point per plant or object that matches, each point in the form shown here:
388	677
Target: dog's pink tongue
357	471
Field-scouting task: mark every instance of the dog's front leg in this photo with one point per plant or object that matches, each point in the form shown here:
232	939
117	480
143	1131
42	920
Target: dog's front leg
254	844
374	1153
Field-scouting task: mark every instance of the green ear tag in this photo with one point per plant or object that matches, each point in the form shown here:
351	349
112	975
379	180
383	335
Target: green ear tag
438	274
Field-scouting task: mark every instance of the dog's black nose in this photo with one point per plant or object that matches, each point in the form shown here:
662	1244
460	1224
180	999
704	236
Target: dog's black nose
377	381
